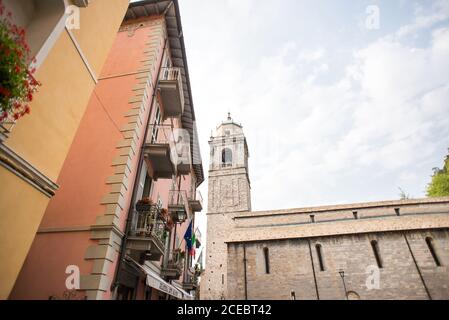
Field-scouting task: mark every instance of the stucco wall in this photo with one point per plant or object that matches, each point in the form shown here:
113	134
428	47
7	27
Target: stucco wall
44	137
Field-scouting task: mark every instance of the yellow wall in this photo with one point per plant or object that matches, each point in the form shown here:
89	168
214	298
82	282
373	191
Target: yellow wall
43	138
21	212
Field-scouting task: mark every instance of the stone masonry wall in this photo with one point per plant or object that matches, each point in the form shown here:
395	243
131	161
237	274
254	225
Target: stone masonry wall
291	267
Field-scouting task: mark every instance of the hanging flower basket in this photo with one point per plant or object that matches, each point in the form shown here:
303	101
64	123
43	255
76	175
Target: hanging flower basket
144	205
169	223
17	83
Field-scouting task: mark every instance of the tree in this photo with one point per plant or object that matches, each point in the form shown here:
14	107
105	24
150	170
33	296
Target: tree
439	186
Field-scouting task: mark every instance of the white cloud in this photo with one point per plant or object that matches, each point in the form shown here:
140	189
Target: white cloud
381	124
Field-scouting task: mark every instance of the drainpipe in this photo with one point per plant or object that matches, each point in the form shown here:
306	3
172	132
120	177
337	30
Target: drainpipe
313	269
244	271
115	283
417	267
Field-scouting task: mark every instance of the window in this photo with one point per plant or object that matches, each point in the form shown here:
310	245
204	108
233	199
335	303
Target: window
320	257
429	242
146	187
227	133
396	210
312	218
156	123
267	260
356	215
226	157
375	247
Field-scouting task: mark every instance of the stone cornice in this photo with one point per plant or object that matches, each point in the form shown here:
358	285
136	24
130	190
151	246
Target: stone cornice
342	207
24	170
341	227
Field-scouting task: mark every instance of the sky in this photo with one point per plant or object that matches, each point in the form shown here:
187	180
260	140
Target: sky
341	102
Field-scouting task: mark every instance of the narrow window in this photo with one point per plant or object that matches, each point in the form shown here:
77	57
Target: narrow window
397	211
429	242
267	260
320	256
222	279
375	247
226	157
312	218
356	215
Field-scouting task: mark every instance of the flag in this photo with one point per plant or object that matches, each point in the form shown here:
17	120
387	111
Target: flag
192	249
188	236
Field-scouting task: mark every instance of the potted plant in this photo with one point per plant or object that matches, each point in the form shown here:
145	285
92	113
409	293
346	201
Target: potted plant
169	223
17	82
144	205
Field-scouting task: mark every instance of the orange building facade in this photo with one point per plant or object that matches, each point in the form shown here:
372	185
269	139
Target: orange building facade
127	191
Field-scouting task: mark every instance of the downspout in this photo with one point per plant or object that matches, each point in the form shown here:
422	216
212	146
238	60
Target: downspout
417	267
136	181
244	271
313	270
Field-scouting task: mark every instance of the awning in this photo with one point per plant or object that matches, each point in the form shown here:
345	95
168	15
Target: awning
155	281
186	295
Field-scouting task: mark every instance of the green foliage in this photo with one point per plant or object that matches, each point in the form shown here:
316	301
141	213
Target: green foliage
439	186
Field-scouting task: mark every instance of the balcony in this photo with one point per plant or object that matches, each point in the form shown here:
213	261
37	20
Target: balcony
177	201
196	201
159	151
5	128
146	237
172	92
190	283
174	268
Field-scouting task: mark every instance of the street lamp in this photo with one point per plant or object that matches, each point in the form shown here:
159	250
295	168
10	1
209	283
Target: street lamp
342	275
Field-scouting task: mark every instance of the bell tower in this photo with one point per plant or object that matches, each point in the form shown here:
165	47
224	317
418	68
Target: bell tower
229	193
229	184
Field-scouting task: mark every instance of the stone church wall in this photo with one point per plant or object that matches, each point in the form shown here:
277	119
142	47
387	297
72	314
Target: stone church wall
291	267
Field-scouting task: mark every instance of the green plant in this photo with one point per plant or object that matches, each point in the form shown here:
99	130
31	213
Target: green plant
439	185
17	83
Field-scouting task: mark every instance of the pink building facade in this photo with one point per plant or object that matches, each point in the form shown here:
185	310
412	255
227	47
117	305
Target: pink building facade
128	186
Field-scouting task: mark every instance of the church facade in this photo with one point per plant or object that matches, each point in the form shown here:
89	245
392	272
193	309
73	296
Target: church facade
378	250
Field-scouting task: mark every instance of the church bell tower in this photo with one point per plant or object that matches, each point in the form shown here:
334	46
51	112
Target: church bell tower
229	193
229	184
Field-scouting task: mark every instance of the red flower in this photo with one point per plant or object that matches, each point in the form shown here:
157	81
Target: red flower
30	96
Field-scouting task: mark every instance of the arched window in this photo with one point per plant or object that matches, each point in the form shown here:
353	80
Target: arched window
266	255
319	253
226	157
376	252
429	242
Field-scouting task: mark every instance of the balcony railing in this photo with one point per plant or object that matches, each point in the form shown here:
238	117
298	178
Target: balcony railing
147	234
172	92
196	201
174	267
160	151
191	282
178	205
5	128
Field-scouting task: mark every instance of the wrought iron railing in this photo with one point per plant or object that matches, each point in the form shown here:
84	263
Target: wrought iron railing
196	196
177	198
149	224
